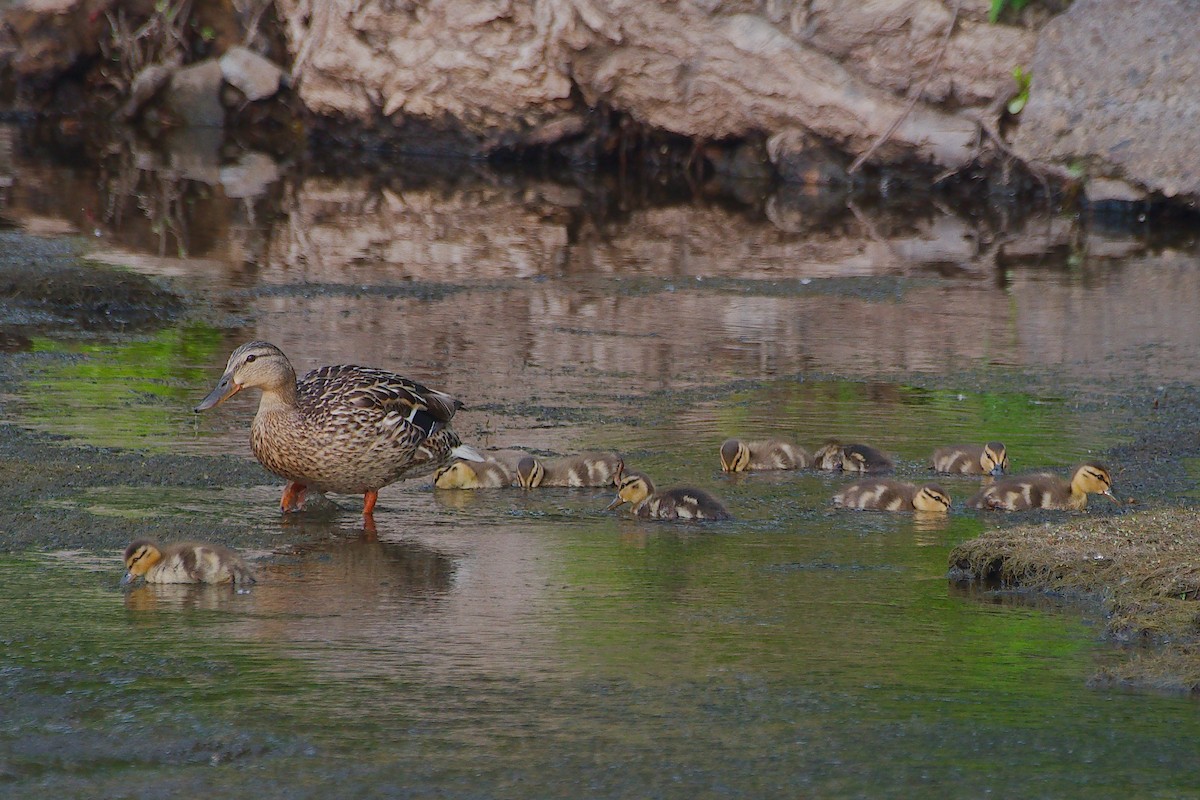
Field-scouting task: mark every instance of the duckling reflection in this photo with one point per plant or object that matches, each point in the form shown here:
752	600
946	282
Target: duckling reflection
587	469
638	490
185	597
971	459
741	456
184	562
1044	490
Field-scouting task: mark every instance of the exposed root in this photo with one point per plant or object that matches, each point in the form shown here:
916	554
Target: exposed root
914	95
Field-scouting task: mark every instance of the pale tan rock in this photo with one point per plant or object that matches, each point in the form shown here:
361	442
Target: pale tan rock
253	75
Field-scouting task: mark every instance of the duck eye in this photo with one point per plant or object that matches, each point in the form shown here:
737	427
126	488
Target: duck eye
250	358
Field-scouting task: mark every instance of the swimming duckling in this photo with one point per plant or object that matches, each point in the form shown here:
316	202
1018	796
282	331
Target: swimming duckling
857	457
587	469
883	495
638	490
184	562
740	456
971	459
473	475
1044	490
829	456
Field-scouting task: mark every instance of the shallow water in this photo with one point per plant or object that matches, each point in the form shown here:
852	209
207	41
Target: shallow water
508	644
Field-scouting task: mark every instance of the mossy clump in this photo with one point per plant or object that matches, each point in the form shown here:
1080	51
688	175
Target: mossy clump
1144	567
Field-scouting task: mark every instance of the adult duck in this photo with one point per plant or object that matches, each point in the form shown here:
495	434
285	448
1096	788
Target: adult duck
344	428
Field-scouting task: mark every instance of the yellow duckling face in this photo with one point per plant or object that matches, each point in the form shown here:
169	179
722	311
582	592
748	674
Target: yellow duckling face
634	488
459	475
254	364
735	456
530	472
140	556
994	460
1094	479
931	497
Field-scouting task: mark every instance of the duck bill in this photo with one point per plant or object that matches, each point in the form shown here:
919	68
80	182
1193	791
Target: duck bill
617	503
1112	497
997	471
128	579
225	389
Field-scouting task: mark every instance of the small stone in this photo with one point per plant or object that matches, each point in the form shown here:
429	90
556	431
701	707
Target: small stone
195	96
255	76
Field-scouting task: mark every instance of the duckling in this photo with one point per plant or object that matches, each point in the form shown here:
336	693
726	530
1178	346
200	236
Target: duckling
1044	490
740	456
587	469
638	490
829	456
971	459
473	475
883	495
184	562
856	457
343	428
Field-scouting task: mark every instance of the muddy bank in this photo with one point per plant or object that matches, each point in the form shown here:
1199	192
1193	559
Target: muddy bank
808	94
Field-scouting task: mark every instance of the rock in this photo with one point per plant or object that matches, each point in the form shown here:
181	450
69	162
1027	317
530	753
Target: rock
251	176
1116	88
146	84
49	37
255	76
801	158
1100	190
195	96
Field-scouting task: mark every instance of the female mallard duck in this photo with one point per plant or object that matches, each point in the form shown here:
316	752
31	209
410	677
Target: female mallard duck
638	490
184	562
834	455
971	459
587	469
740	456
1020	493
345	429
883	495
487	474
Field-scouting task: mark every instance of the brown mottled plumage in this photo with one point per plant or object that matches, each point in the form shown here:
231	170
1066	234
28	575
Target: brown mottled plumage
971	459
1044	490
741	456
184	562
345	429
884	495
856	457
638	490
486	474
586	469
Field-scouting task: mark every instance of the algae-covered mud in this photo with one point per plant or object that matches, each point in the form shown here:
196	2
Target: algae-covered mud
501	643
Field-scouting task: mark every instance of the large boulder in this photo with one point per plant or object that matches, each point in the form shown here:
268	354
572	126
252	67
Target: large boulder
1116	97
